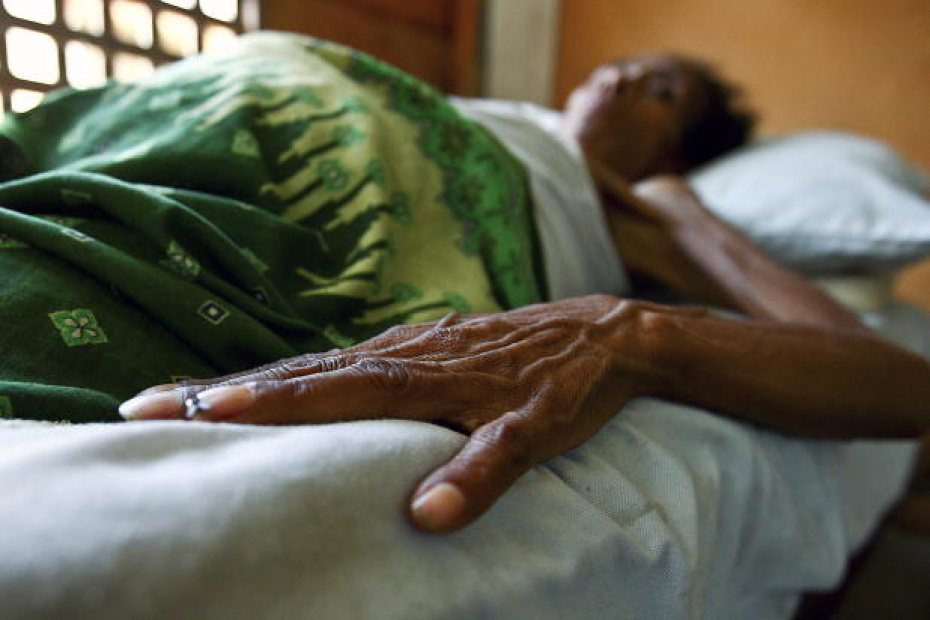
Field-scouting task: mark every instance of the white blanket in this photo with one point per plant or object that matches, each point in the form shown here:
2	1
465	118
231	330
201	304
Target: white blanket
667	513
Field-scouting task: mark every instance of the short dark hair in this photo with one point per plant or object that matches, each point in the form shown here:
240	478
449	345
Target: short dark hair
724	124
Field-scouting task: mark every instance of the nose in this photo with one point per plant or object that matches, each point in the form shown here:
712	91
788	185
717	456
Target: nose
619	78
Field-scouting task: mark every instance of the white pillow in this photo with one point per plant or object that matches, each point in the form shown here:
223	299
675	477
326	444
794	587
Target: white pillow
822	202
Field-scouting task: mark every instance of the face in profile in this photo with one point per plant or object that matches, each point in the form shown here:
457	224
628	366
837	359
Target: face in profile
632	115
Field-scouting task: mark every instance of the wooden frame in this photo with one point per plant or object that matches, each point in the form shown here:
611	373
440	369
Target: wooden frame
439	41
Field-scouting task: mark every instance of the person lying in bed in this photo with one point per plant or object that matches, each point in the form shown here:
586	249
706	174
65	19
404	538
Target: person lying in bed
292	195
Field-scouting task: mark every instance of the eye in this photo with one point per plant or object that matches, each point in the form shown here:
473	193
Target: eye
660	86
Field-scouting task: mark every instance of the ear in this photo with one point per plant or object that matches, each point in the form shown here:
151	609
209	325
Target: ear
672	163
678	165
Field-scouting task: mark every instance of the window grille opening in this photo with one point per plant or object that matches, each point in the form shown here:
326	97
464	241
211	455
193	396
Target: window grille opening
39	11
49	44
22	100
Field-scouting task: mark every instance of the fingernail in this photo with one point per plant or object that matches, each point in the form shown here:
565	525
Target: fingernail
438	508
153	405
164	387
226	401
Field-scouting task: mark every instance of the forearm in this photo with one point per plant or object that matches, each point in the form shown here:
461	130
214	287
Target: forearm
757	286
741	275
793	378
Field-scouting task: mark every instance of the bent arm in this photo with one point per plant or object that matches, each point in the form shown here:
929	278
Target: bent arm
745	276
806	365
661	228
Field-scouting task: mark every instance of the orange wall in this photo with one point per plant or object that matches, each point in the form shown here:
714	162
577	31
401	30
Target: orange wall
860	65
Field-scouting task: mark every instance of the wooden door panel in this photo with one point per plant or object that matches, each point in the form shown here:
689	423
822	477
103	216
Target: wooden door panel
430	14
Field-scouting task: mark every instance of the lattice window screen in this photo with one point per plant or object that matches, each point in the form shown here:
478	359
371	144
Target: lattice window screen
47	44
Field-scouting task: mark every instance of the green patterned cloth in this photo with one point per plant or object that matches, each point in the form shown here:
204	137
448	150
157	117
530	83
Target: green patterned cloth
288	196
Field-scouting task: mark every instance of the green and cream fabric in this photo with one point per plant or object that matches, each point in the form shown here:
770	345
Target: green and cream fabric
289	196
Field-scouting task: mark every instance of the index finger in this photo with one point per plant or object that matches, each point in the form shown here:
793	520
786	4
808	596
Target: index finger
365	389
299	365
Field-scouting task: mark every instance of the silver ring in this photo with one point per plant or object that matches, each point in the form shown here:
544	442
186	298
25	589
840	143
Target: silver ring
329	364
194	407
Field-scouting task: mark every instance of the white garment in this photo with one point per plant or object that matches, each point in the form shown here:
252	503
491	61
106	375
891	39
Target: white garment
578	254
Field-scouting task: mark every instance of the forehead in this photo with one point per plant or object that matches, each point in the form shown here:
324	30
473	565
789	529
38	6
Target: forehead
666	64
689	78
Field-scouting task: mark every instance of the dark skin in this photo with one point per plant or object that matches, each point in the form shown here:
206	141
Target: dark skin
532	383
630	116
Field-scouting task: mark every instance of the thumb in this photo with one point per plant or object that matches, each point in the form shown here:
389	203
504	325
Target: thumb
492	460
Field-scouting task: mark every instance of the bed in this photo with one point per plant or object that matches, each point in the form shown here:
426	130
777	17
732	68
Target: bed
668	512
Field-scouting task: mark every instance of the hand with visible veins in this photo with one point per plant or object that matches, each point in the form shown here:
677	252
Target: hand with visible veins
533	383
525	385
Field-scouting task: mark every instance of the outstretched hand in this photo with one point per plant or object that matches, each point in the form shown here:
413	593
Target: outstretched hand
525	385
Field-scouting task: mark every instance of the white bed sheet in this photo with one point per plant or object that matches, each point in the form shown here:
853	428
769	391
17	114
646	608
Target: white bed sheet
667	513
